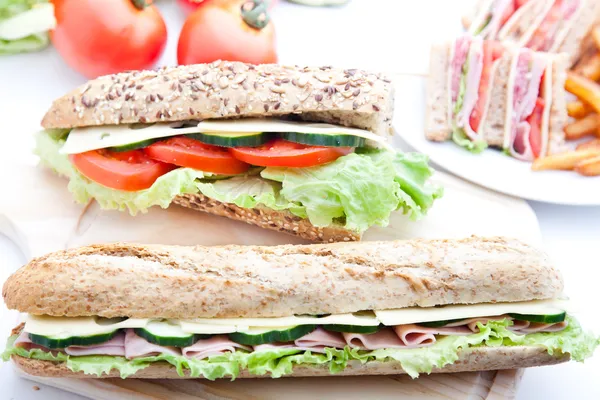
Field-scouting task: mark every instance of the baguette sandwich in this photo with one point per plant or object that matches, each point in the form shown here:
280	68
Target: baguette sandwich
482	93
416	306
555	26
299	150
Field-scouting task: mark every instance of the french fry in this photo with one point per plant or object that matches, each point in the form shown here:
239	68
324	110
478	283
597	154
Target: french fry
564	161
592	144
584	88
578	109
590	67
582	127
589	167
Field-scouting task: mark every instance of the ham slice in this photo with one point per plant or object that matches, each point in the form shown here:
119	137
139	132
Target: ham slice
290	345
528	73
209	347
461	50
136	346
24	342
497	12
472	88
526	327
113	347
384	339
321	338
413	335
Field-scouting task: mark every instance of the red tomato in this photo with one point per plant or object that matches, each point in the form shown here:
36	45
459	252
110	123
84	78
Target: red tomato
535	121
508	12
104	37
542	39
191	153
492	51
129	171
219	31
281	153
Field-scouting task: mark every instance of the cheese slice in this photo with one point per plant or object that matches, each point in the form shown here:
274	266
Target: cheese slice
89	138
462	311
360	319
62	327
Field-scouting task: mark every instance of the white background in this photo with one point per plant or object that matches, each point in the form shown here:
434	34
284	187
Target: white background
373	34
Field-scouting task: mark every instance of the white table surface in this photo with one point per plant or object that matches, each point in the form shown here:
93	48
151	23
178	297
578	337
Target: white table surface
373	34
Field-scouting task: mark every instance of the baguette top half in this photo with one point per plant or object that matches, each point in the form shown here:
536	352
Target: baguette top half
224	89
154	281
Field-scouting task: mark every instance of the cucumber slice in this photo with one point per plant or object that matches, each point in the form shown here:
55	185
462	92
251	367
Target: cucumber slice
133	146
53	342
165	333
232	139
352	328
545	318
256	336
437	324
323	139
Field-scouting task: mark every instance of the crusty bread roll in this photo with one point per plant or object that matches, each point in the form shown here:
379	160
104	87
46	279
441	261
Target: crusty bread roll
154	281
470	359
225	89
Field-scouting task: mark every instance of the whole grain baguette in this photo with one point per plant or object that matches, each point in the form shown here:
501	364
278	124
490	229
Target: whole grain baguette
154	281
265	217
470	359
225	89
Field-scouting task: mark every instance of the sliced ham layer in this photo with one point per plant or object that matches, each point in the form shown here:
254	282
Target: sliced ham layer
496	17
290	345
526	327
529	70
414	335
471	95
461	50
321	337
209	347
114	347
384	339
24	342
136	346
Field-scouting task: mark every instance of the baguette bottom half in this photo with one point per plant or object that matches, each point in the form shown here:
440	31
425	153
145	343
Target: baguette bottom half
264	217
472	359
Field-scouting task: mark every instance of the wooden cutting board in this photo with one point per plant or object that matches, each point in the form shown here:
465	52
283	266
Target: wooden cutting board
40	217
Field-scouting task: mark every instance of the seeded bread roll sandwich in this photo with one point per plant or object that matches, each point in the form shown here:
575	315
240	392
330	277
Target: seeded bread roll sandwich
416	306
301	150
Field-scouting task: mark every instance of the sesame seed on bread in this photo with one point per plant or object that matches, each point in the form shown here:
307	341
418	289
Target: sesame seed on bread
222	89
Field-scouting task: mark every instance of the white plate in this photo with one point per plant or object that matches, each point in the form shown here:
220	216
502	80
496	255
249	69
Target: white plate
492	168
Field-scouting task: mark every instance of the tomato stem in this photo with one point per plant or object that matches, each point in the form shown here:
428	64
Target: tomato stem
141	4
254	13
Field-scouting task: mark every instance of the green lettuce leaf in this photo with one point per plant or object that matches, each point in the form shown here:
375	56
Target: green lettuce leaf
364	188
458	134
161	193
24	25
248	192
280	362
361	189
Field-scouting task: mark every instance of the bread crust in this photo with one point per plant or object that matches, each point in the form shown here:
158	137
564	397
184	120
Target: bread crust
471	359
437	125
573	39
225	89
155	281
264	217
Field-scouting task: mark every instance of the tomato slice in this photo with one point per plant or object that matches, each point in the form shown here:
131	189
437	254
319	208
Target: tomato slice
191	153
281	153
129	171
492	51
535	121
508	12
544	35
